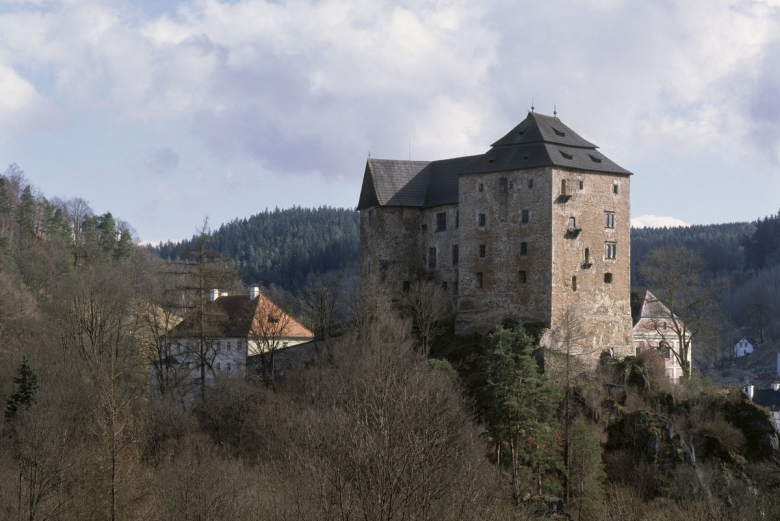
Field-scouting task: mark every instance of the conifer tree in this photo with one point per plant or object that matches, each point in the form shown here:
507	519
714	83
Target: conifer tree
520	405
25	392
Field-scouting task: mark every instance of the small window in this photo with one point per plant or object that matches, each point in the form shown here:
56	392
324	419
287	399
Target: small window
457	219
424	228
558	132
431	258
441	222
530	183
572	222
454	254
272	319
523	248
587	255
574	283
594	159
479	279
525	216
523	277
615	189
565	155
581	184
610	250
482	219
227	367
219	366
511	185
607	278
502	185
609	219
482	251
406	286
444	285
480	187
563	186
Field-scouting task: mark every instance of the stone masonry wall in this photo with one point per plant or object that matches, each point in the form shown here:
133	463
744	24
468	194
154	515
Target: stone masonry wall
504	293
390	244
604	306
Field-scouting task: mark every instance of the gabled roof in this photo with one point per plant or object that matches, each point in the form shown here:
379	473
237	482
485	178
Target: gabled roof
652	309
236	316
537	141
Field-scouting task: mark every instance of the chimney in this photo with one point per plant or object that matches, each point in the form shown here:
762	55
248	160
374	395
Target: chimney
213	294
749	391
254	291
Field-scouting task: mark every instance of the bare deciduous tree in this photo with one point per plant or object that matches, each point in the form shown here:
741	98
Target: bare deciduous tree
427	305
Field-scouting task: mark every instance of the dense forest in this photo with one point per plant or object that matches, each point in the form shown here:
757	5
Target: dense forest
282	247
396	419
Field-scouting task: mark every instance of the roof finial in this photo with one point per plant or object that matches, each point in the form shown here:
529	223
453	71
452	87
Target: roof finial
555	110
532	105
369	154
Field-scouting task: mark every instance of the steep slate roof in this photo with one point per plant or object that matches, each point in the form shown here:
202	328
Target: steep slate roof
236	316
537	141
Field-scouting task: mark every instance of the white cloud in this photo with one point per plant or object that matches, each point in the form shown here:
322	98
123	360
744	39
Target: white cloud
656	221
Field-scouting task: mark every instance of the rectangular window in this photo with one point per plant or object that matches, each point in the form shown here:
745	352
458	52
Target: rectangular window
610	250
615	189
441	222
405	286
219	366
523	277
530	183
457	219
480	188
581	184
609	219
431	258
454	254
523	248
608	278
572	222
228	367
482	219
424	228
526	215
482	251
502	184
479	279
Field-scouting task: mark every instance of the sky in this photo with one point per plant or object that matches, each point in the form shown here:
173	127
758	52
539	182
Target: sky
165	112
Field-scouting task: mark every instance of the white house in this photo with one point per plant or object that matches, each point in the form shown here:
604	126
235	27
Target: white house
233	330
742	348
654	329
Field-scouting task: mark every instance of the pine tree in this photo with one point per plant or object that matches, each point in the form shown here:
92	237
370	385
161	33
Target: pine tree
26	390
520	405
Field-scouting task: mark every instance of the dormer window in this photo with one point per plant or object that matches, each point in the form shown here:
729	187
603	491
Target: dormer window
558	132
565	155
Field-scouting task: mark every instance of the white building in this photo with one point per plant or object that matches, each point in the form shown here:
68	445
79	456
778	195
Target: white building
234	330
742	348
654	329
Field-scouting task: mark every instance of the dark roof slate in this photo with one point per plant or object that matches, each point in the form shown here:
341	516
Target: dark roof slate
537	141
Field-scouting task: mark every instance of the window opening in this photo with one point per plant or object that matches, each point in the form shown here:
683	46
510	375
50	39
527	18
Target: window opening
608	278
572	222
523	248
609	219
431	258
441	222
406	286
482	219
525	216
511	185
424	228
457	219
574	283
228	367
581	184
454	254
530	183
615	189
444	285
610	250
502	185
479	279
563	187
587	255
219	366
482	251
480	187
523	277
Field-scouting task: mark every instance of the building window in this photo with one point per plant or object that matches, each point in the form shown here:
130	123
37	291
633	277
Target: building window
572	222
431	257
444	285
227	367
479	279
511	185
587	255
574	283
665	350
457	219
441	222
615	189
482	219
607	278
219	366
609	219
530	183
480	187
523	277
526	215
523	248
563	186
406	286
581	184
610	250
454	254
482	251
502	184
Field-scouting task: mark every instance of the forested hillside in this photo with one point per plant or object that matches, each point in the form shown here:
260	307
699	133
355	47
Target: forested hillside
283	247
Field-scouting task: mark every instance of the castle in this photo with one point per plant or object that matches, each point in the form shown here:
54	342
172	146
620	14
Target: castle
538	223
